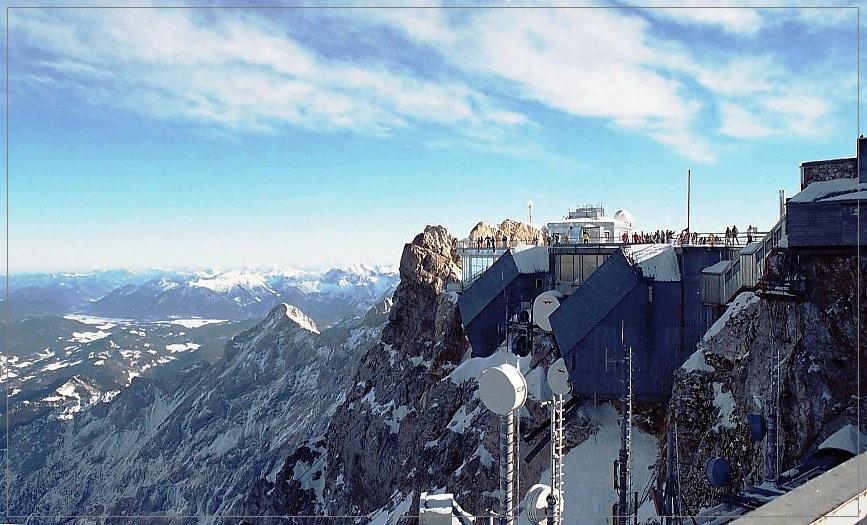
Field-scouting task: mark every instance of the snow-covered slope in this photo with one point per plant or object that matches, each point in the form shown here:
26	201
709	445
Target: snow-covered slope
99	356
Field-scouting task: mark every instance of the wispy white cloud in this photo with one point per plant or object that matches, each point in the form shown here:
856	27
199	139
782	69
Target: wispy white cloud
738	122
241	73
738	20
611	70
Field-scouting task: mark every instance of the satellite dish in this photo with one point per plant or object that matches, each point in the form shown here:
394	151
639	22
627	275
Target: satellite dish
521	346
537	503
502	389
718	472
558	378
544	306
758	429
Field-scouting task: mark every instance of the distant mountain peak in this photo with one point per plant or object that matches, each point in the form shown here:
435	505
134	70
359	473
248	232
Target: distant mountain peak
226	281
298	317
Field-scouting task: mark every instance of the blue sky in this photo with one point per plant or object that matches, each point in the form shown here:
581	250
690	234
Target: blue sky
217	137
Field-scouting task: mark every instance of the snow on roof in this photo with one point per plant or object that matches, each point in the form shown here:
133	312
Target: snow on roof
717	268
752	247
583	220
655	260
531	259
832	190
847	438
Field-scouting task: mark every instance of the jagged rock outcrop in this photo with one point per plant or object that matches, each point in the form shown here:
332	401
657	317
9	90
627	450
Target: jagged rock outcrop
516	231
729	375
392	434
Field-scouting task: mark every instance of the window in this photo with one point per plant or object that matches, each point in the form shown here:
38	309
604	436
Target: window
567	268
588	265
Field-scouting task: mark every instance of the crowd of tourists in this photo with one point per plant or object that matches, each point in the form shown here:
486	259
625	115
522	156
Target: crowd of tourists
731	237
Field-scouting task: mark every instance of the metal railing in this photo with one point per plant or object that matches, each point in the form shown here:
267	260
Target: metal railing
470	244
745	270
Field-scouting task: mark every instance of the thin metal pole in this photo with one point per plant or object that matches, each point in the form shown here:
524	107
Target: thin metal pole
507	468
688	198
625	481
555	498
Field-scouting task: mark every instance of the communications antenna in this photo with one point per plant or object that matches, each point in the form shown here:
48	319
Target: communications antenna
503	390
625	509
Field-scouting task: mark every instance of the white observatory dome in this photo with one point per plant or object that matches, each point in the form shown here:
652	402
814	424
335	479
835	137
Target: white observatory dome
624	216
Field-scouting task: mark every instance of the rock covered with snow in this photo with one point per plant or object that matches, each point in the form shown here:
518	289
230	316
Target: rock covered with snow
729	376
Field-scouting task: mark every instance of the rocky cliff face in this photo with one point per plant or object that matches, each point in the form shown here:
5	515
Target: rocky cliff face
729	375
402	426
195	442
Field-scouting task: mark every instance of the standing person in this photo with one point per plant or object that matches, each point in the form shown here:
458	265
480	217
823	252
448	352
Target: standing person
585	237
735	235
749	233
505	241
625	238
479	242
728	235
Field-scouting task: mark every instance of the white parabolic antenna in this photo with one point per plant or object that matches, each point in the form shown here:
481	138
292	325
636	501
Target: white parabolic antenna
537	503
544	306
502	389
558	378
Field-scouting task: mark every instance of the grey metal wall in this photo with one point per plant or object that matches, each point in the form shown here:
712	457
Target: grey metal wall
817	224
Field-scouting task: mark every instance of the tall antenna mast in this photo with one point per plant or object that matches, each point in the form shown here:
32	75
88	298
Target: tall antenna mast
688	198
623	481
772	459
555	507
672	505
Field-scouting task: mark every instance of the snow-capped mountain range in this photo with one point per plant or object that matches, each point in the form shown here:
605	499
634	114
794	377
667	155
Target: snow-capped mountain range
325	295
78	339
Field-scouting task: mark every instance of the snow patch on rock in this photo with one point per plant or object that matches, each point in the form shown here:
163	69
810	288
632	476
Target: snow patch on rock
740	303
696	362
